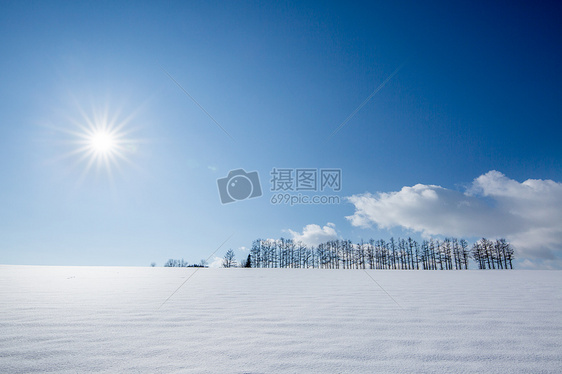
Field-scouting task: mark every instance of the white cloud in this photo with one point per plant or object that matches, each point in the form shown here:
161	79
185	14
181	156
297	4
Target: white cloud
312	234
216	263
528	214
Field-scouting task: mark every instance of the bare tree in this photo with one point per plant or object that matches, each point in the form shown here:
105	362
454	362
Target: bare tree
229	259
256	253
465	253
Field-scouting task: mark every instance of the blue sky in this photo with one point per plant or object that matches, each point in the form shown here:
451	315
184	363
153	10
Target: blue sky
478	91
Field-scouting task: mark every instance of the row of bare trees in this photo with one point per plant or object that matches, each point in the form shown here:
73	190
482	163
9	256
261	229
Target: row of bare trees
173	263
407	254
493	254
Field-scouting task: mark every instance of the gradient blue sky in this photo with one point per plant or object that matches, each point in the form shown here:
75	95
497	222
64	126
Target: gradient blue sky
480	90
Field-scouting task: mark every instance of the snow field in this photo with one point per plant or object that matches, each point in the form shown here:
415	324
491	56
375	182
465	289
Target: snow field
109	320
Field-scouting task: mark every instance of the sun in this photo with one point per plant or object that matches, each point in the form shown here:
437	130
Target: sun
103	142
100	141
103	145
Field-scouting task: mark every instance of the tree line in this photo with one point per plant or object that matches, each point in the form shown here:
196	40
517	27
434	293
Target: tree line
406	254
172	263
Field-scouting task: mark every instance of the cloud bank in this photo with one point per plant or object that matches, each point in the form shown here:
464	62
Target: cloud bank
528	214
312	234
216	263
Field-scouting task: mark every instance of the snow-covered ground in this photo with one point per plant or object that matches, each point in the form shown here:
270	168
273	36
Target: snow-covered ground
107	319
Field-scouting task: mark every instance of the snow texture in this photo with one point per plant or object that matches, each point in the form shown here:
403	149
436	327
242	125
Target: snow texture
109	320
